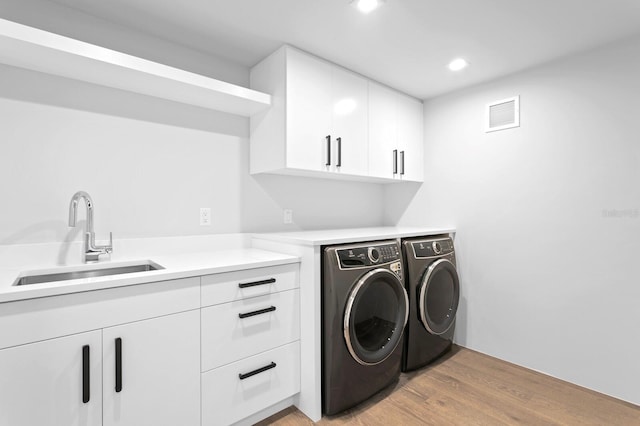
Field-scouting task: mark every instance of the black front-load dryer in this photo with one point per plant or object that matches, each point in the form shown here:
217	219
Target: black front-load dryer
364	311
433	288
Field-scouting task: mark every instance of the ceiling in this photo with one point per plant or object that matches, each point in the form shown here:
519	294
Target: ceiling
405	44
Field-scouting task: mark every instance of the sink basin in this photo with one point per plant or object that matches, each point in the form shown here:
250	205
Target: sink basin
103	270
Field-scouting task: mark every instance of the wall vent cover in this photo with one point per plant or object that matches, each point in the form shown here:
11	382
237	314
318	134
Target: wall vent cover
503	114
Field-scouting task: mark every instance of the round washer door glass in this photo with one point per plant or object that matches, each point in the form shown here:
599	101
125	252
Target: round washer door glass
375	316
439	294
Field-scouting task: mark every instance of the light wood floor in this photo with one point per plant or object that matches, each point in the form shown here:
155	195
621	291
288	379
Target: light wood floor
469	388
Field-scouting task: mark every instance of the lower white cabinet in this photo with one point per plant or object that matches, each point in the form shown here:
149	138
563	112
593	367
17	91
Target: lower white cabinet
235	391
136	356
250	342
71	380
152	374
56	382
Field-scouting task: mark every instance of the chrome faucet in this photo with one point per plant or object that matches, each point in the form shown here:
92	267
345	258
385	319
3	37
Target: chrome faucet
92	252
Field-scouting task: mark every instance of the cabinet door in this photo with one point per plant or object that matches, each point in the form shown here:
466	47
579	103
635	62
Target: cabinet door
308	115
160	371
349	125
410	138
383	130
44	383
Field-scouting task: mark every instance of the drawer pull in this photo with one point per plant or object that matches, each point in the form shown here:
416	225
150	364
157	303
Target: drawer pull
119	364
255	283
258	371
86	375
258	312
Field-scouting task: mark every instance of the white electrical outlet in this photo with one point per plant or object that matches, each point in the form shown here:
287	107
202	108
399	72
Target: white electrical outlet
205	216
288	216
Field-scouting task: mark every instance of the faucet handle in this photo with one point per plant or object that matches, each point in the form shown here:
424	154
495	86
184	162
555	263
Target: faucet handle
91	244
93	251
109	248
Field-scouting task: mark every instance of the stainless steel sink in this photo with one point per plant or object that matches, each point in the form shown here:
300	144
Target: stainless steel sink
97	271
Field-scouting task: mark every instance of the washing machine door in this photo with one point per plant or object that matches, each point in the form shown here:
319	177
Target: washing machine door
375	316
438	297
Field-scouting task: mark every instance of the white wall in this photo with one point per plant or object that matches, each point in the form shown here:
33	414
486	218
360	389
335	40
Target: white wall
548	217
146	179
149	164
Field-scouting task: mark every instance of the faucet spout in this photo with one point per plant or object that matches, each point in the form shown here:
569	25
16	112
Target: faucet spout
73	209
92	251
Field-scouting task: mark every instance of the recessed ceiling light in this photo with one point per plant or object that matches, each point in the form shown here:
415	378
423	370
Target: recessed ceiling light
366	6
458	64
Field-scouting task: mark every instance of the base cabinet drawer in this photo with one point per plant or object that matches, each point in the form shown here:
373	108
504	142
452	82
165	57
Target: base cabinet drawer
230	286
236	330
238	390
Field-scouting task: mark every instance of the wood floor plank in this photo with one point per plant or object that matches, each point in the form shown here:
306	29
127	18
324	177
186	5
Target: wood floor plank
502	408
469	388
507	401
443	399
556	398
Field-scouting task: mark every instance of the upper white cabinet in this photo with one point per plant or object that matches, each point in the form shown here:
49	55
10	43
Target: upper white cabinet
350	120
411	138
383	131
318	122
307	114
322	122
395	135
42	51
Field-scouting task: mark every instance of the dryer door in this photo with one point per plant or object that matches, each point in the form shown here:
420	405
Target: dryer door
375	316
438	296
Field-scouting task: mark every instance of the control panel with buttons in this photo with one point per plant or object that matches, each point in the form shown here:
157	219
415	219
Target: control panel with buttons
431	247
378	254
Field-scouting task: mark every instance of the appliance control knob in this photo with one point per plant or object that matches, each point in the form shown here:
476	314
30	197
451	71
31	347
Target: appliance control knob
437	248
374	254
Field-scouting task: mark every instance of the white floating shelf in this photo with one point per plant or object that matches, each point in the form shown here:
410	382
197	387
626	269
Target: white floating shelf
26	47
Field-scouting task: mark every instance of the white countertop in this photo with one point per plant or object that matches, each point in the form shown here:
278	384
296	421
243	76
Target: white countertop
175	266
180	257
351	235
